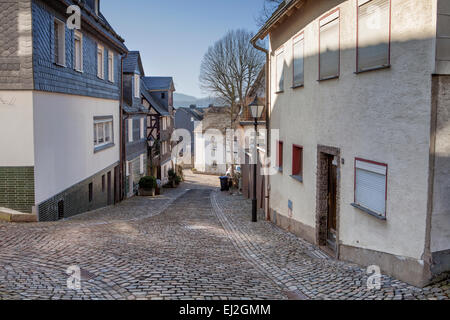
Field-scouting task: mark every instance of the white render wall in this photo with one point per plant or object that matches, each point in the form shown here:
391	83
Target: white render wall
64	142
382	116
16	129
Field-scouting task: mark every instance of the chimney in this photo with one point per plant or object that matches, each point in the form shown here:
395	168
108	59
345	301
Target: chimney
193	106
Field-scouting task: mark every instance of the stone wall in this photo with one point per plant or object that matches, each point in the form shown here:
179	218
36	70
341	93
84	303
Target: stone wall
16	62
17	188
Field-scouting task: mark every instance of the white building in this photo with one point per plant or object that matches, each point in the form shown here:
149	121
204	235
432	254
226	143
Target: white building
359	91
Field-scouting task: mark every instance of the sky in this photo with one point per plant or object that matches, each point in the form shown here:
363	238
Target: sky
173	36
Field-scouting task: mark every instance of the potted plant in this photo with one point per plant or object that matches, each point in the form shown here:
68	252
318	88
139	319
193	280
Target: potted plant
178	180
172	177
147	186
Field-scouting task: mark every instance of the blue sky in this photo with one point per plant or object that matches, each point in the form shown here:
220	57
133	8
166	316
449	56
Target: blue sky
173	36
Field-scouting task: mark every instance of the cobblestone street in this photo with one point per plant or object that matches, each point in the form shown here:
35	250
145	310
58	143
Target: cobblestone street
193	242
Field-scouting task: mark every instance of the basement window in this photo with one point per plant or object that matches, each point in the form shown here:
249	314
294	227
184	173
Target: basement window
373	34
371	187
91	191
329	46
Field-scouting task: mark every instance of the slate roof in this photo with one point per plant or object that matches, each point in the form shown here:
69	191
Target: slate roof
196	113
97	22
155	104
158	83
133	63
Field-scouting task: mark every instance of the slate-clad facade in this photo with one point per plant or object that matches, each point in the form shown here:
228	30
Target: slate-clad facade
66	121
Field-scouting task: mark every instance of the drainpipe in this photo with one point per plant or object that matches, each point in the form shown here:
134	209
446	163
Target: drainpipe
122	132
266	52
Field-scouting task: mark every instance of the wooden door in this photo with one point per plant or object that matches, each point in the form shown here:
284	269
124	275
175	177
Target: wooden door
332	202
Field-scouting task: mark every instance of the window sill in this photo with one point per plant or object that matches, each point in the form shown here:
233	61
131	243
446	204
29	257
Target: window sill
79	71
104	147
59	64
297	177
328	78
374	69
369	212
280	169
279	92
298	86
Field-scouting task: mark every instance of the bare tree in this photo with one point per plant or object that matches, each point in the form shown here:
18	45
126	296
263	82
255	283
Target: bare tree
229	69
269	7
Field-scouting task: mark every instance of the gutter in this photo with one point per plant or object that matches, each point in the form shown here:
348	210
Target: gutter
266	52
122	133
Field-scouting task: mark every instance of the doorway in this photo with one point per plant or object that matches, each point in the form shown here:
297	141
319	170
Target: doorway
327	207
109	188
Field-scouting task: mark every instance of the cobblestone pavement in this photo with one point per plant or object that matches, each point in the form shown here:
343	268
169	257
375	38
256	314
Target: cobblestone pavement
190	243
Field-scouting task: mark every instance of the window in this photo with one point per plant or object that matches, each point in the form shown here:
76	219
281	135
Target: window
137	88
280	156
329	46
298	54
100	62
91	192
370	187
163	95
59	42
297	161
142	126
130	130
103	132
141	163
280	70
373	34
111	66
127	168
78	51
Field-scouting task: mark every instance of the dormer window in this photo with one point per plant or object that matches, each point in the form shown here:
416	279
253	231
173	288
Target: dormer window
97	6
163	95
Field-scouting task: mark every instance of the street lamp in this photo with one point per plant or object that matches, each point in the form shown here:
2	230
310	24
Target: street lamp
256	111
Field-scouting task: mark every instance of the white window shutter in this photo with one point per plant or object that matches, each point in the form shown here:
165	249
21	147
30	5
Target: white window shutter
370	189
141	159
142	128
127	168
130	130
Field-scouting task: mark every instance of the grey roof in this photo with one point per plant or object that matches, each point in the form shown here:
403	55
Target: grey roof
98	22
133	63
197	113
158	83
155	104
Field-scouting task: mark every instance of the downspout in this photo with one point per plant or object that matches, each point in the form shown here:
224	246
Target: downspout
122	133
266	52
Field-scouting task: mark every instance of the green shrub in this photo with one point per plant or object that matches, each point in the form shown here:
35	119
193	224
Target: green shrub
178	179
171	173
147	182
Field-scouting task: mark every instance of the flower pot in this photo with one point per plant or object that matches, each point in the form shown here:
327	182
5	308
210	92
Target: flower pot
147	192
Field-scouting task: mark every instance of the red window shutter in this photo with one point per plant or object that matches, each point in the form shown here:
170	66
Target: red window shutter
297	165
280	154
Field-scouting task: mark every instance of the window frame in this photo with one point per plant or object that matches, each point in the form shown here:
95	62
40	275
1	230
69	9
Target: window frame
358	37
61	38
111	66
278	52
338	10
294	42
79	35
297	175
105	144
101	66
358	206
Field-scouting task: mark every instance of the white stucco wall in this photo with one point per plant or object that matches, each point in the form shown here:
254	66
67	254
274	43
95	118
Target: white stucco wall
64	141
382	116
16	128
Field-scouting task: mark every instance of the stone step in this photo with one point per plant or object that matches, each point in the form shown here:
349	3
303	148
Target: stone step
10	215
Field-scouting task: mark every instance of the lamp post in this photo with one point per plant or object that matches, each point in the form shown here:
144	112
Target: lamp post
256	110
